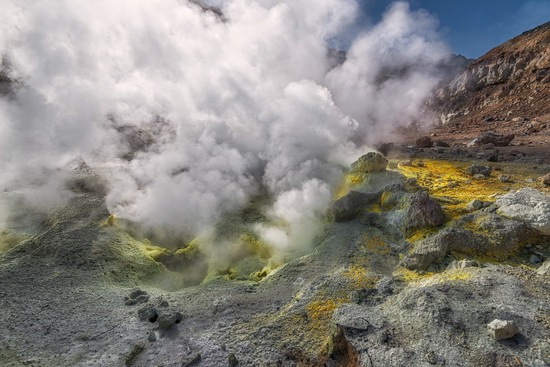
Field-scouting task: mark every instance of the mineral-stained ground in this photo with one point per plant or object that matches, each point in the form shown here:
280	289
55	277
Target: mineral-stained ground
407	272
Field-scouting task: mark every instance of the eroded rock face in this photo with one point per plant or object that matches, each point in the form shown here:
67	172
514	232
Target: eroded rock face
370	162
527	205
497	85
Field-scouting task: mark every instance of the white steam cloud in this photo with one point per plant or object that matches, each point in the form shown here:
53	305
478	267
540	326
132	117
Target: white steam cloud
197	112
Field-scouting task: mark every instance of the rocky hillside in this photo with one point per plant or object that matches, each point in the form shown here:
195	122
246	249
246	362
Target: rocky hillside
507	88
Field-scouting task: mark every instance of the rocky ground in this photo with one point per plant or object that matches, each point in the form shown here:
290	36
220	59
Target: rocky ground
409	271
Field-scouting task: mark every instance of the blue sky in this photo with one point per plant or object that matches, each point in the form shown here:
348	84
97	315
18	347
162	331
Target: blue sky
473	27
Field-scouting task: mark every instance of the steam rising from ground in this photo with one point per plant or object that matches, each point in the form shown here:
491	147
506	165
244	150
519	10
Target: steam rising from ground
189	114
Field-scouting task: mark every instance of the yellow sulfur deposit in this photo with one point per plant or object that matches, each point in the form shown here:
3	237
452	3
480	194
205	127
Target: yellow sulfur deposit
427	278
447	182
360	278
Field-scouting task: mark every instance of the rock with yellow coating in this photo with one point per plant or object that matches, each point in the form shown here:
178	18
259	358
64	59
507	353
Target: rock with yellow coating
349	206
370	162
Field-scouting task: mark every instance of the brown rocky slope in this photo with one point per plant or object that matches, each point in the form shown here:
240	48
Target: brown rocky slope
507	90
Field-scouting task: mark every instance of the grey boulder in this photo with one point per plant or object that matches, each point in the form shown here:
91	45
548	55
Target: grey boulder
529	206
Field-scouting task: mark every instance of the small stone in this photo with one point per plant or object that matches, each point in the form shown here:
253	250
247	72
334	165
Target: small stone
441	144
130	302
474	205
463	264
142	298
545	180
502	329
529	180
488	146
475	169
392	164
420	164
191	360
424	142
504	178
544	269
534	259
162	302
479	176
151	336
148	312
406	163
166	321
468	264
232	360
135	292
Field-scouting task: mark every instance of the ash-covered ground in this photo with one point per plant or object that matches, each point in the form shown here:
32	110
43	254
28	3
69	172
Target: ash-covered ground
406	272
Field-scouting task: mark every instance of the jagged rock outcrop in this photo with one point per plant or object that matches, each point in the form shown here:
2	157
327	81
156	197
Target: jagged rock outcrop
512	81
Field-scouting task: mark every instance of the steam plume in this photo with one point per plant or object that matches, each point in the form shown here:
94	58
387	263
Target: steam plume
188	114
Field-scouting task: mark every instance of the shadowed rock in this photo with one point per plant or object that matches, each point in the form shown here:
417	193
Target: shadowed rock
492	138
424	142
349	206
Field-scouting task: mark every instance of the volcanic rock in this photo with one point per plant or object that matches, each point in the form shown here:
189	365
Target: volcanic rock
475	169
385	148
370	162
349	206
545	180
502	237
437	246
421	211
462	264
544	269
489	140
441	144
527	205
502	329
474	205
424	142
166	320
